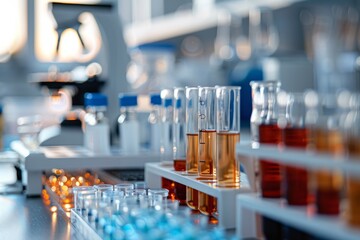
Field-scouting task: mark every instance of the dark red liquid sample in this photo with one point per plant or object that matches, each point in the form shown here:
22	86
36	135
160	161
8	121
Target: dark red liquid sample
296	179
180	193
169	185
180	164
328	201
270	174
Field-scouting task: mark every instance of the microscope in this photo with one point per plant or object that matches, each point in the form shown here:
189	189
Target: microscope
34	163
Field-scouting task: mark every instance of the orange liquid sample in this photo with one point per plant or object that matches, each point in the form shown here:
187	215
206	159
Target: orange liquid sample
354	187
228	169
270	175
328	184
180	165
296	179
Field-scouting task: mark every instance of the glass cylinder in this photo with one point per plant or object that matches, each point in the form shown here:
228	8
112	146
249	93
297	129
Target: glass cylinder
207	132
124	187
87	201
228	135
83	189
327	138
166	138
192	134
270	133
179	134
296	135
257	103
101	188
352	127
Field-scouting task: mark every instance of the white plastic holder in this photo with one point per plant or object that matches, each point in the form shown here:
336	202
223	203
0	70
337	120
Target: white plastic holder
303	218
34	163
226	197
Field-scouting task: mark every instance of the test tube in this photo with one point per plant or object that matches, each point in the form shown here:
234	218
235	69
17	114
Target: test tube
124	187
296	135
352	127
192	134
228	135
207	145
179	142
207	132
101	188
166	141
87	201
179	135
82	189
327	138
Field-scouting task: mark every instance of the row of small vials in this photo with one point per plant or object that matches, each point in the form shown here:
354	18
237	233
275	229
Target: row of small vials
126	211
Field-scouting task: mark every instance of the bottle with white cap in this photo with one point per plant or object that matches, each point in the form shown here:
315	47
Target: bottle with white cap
155	122
128	124
97	131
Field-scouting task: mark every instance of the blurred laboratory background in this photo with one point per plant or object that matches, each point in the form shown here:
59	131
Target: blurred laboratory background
53	52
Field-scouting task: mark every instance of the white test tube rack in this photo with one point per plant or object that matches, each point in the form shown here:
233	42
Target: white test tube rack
226	197
303	218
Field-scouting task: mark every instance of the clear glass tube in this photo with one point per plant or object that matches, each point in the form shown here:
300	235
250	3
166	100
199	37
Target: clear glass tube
166	138
123	187
207	132
352	129
100	188
179	134
328	138
228	134
192	135
296	135
83	189
270	133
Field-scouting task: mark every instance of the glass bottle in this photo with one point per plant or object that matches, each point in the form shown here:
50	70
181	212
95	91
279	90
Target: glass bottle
296	135
270	133
155	122
97	131
327	138
128	124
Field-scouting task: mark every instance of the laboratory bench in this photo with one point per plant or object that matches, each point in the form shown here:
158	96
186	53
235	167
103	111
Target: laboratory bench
22	217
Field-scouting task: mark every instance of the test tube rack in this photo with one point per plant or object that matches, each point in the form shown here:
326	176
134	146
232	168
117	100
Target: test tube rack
34	163
304	217
226	197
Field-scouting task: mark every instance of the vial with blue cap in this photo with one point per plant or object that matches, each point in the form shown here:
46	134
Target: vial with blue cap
166	138
97	131
128	124
155	122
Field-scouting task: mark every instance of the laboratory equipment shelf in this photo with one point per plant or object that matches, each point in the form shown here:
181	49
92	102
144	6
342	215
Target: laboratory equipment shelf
226	197
298	157
303	218
192	20
33	163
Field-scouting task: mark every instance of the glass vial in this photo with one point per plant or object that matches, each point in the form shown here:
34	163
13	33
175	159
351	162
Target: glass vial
179	134
128	124
166	138
155	122
97	131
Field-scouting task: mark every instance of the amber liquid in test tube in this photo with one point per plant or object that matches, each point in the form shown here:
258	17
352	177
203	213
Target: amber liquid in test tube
296	135
353	190
192	135
228	170
227	136
270	172
328	184
296	187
